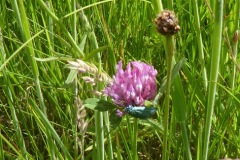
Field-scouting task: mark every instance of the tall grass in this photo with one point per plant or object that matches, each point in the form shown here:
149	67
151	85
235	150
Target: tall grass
42	115
215	58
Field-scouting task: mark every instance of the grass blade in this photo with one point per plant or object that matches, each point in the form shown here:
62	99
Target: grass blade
215	58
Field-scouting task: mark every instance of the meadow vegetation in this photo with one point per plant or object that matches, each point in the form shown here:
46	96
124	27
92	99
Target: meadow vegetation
42	96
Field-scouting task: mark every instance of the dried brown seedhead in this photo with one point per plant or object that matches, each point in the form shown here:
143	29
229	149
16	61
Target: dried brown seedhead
167	23
235	37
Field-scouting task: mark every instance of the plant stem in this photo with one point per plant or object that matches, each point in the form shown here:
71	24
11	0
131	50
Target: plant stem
59	22
75	91
98	115
235	44
3	55
16	123
9	97
170	4
1	148
134	142
215	57
169	48
200	44
185	140
25	33
125	141
200	140
169	55
179	106
99	134
158	6
110	149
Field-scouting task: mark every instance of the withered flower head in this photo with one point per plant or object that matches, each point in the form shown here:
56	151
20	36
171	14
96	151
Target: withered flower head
235	37
167	23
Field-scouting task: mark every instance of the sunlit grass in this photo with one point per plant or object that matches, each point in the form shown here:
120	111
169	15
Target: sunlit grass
41	100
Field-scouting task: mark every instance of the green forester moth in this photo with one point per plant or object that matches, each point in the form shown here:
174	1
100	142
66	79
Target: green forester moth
141	112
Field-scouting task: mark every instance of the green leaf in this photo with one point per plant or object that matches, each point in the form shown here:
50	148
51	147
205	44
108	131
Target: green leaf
99	105
94	52
114	120
51	59
156	125
177	67
105	106
91	103
179	100
71	76
175	72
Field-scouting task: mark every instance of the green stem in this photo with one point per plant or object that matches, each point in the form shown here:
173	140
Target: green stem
1	146
50	35
125	141
235	44
110	149
185	140
169	48
215	57
10	146
75	91
199	145
16	124
134	142
75	118
179	108
200	44
41	119
98	115
158	6
59	22
25	31
169	55
99	134
170	4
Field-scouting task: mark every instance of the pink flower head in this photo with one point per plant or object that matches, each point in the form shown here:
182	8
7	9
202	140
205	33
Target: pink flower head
133	85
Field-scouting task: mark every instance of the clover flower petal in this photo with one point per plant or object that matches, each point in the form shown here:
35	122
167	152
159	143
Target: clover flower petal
133	85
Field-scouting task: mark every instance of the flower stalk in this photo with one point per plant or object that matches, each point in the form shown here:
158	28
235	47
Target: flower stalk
167	25
98	116
169	56
135	136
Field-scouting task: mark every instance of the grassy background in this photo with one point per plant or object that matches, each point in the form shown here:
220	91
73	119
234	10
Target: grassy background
39	116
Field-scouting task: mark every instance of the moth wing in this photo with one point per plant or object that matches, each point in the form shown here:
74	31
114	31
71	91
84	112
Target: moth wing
142	112
150	110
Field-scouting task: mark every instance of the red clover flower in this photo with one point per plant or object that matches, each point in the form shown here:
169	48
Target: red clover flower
134	85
